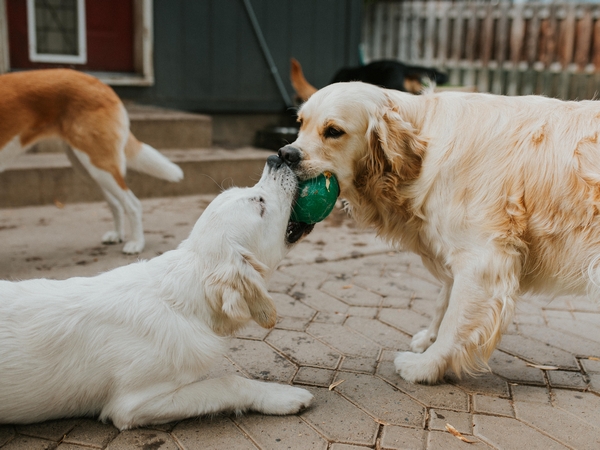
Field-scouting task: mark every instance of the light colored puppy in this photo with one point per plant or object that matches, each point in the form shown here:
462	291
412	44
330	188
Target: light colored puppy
91	119
133	345
498	195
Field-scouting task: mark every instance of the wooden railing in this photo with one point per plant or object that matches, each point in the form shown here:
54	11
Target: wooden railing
516	49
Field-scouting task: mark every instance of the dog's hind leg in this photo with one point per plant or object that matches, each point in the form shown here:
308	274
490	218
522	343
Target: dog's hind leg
481	305
228	393
121	202
11	150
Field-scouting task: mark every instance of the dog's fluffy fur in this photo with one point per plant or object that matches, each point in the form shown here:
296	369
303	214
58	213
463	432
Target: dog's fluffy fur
91	119
132	345
498	195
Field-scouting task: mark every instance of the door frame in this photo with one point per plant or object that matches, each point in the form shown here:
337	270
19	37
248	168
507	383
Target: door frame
143	46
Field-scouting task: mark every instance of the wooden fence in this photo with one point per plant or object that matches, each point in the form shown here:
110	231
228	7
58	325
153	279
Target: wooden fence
516	49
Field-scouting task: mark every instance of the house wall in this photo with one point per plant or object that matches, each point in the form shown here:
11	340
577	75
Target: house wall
207	57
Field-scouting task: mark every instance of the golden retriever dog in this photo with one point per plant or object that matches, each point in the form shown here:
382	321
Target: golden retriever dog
498	195
89	116
134	345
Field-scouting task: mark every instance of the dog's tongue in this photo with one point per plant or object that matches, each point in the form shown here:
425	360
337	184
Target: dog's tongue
295	230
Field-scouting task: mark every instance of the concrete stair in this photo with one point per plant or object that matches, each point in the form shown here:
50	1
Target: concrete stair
45	175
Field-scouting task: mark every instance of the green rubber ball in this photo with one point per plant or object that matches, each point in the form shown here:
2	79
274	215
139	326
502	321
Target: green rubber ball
316	199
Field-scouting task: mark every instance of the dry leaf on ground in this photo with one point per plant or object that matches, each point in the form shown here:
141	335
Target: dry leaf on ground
454	432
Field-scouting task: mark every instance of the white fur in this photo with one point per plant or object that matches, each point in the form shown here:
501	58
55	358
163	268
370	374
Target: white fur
152	162
133	345
498	195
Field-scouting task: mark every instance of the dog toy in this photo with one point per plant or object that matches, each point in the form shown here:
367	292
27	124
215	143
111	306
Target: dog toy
316	198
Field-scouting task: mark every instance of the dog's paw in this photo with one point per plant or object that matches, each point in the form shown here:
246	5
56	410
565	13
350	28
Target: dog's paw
282	399
133	247
419	368
421	341
111	237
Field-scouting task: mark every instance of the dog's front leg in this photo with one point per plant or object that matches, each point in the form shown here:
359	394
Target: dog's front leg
228	393
424	338
481	305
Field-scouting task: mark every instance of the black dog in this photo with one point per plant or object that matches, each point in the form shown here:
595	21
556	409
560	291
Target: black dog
385	73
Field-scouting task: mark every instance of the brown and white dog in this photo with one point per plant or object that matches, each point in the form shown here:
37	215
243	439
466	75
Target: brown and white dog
498	195
92	120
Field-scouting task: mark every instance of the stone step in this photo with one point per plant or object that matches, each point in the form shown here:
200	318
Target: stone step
46	178
161	128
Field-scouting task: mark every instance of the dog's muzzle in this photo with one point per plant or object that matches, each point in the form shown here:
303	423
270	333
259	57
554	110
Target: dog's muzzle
295	230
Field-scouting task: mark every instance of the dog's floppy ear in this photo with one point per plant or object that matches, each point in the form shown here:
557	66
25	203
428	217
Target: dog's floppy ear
237	292
394	146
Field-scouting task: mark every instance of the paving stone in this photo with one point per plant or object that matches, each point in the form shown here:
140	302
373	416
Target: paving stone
394	301
584	405
260	361
573	326
483	383
561	378
529	319
591	319
462	421
492	405
381	400
141	438
253	331
505	432
29	443
530	394
288	432
438	440
331	318
346	447
444	396
314	376
402	285
425	307
91	433
292	323
400	438
562	426
351	294
358	364
514	369
344	339
378	332
306	276
405	320
591	365
559	339
216	433
537	352
281	282
7	432
595	382
363	311
320	301
288	306
66	446
304	349
339	420
53	430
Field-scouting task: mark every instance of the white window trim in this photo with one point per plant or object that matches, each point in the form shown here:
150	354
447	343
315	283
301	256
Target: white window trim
34	56
143	48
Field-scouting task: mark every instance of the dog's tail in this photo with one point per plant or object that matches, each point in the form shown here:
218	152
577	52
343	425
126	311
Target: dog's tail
302	87
146	159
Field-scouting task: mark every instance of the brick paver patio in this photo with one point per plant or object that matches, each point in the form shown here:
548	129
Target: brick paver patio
347	303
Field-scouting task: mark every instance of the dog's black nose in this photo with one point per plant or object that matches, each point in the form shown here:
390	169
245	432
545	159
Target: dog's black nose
290	155
274	161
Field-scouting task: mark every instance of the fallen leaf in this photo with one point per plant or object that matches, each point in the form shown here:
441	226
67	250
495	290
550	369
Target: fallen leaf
593	358
59	204
454	432
538	366
337	383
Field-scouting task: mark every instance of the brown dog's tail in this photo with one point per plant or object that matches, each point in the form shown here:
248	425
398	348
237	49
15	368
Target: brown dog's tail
302	87
146	159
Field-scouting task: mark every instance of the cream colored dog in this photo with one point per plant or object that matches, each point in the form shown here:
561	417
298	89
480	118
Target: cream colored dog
498	195
88	116
133	345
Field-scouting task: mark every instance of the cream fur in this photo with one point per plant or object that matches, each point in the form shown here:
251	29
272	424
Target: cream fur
499	196
133	345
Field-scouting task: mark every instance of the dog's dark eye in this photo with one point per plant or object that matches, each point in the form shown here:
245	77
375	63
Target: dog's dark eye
333	133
